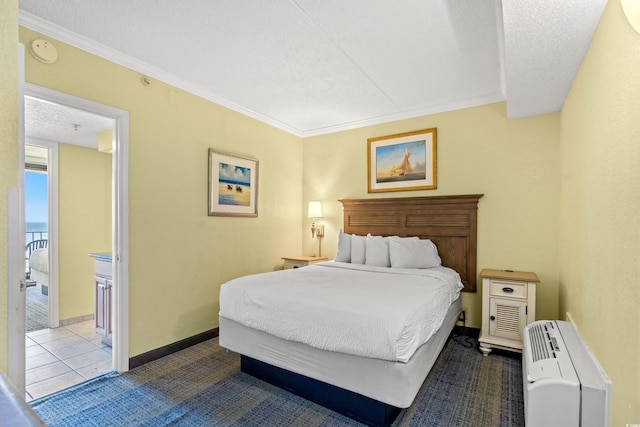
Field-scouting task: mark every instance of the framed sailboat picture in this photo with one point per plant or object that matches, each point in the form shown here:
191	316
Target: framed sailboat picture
402	162
233	185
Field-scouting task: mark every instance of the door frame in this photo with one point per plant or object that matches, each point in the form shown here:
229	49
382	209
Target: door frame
120	212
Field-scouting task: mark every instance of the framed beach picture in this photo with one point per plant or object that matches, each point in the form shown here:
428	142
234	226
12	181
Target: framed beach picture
401	162
233	185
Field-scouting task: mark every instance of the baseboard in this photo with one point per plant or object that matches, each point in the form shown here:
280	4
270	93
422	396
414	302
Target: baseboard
77	319
168	349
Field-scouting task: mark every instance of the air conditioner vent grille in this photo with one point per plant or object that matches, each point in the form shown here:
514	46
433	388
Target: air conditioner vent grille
542	345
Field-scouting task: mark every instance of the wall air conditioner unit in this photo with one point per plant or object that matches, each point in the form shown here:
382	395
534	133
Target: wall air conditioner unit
563	382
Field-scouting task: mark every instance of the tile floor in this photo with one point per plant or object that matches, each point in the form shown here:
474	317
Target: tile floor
60	358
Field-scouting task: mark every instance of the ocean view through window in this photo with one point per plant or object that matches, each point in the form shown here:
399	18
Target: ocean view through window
36	206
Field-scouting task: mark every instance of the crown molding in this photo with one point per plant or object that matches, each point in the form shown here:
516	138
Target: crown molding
40	25
404	115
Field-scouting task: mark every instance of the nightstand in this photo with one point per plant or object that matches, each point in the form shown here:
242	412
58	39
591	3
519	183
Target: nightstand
508	305
301	261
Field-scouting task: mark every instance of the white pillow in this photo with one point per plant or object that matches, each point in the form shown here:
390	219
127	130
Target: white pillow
413	253
377	251
358	249
344	247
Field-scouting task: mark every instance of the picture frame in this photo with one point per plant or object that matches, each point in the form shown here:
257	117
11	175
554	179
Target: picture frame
402	162
233	185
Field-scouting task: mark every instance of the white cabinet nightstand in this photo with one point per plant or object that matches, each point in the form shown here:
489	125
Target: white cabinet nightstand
301	261
508	305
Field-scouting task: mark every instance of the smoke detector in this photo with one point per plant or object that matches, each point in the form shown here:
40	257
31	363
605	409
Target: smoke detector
43	51
631	10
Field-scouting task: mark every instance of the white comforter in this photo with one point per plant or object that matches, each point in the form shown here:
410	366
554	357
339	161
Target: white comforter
376	312
39	260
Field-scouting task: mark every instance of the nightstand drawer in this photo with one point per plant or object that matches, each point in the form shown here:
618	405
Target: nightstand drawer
506	288
290	263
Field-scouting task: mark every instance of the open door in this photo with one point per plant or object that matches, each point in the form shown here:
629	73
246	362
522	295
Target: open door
16	283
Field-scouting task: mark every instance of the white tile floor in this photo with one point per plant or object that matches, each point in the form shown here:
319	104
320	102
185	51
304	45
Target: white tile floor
60	358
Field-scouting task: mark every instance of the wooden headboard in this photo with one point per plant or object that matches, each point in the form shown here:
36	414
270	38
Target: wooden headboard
449	221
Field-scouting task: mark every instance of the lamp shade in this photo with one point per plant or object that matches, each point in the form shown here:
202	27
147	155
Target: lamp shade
315	209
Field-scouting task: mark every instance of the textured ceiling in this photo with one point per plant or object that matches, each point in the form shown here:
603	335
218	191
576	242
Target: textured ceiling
54	122
312	67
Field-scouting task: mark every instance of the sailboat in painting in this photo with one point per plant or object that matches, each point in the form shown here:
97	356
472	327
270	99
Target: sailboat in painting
404	167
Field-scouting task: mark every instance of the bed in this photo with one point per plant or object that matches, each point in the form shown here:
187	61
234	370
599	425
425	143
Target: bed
367	380
38	258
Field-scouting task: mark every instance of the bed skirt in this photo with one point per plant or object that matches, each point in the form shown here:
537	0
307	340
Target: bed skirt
353	405
40	277
391	383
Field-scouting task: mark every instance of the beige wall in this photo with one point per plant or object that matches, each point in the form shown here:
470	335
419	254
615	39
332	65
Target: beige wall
84	221
573	174
8	145
514	163
179	256
600	207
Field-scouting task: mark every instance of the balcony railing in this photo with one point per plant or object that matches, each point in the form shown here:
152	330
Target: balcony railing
36	235
32	236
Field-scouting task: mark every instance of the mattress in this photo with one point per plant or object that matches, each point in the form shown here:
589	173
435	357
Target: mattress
376	312
39	260
391	382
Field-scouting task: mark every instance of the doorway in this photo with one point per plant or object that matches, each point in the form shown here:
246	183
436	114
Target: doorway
119	232
68	351
62	353
36	201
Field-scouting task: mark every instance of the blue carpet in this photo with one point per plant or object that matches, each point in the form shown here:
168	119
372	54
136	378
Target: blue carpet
203	386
